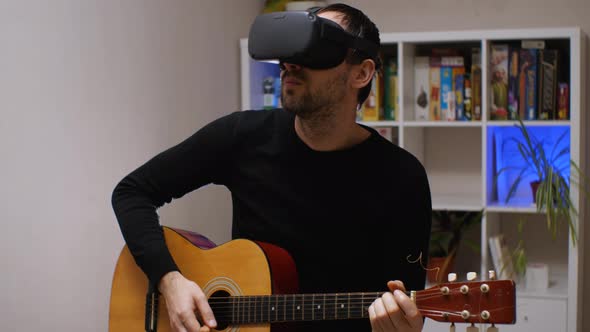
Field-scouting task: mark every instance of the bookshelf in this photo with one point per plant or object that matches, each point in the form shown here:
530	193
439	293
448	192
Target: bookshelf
462	178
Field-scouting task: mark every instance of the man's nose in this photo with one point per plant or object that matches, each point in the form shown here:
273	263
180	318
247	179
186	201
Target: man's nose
291	66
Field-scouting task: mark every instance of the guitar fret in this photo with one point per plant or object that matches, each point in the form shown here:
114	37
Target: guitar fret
312	306
362	305
303	307
336	307
284	307
324	308
348	307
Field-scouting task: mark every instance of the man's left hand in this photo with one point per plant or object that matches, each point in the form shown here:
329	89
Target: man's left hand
395	311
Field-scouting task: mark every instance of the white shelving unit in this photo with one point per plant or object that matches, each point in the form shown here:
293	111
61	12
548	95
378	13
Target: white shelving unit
459	168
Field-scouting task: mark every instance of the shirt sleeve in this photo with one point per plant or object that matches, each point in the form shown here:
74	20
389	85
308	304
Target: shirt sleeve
199	160
420	211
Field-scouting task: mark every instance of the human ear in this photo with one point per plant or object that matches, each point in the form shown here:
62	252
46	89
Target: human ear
363	73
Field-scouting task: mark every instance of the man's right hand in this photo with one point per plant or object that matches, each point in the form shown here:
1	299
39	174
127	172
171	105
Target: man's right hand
185	300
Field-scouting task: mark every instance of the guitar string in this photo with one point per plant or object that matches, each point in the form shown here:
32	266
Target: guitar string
306	299
245	307
248	307
249	316
244	318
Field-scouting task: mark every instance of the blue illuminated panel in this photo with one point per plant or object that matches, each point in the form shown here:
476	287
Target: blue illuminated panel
503	152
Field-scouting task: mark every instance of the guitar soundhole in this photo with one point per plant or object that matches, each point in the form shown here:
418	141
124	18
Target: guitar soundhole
221	324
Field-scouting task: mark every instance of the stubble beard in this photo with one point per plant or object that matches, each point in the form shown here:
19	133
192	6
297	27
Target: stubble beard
318	105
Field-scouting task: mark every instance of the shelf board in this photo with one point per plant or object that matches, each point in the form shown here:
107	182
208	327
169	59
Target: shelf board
382	123
465	202
539	123
512	207
442	124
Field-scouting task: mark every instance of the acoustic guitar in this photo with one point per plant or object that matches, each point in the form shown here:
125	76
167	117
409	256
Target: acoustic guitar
251	284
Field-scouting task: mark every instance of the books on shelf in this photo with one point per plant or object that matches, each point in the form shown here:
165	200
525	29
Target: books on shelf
382	103
501	257
525	82
533	84
445	88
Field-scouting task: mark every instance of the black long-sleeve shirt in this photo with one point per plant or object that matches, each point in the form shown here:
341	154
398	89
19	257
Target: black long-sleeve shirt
352	219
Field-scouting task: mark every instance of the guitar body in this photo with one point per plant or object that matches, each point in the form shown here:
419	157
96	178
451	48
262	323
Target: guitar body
250	285
238	267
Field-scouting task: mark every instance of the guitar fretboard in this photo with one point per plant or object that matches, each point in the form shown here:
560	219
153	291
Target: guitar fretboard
291	307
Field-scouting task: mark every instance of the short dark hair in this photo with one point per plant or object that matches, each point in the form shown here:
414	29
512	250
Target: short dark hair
358	24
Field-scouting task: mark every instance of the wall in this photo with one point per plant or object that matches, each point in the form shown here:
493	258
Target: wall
88	91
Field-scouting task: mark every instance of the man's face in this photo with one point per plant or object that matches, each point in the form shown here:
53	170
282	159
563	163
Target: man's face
306	92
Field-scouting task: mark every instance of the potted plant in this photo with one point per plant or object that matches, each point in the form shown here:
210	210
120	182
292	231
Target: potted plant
448	228
553	173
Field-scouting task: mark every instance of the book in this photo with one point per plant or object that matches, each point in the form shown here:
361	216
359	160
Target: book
501	257
499	82
547	84
446	91
458	93
434	83
528	84
459	89
467	101
421	88
476	83
513	87
563	100
390	89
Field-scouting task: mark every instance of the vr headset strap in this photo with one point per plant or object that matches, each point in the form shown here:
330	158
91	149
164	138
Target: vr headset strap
335	33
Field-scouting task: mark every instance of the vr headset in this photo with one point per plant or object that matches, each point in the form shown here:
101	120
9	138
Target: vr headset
303	38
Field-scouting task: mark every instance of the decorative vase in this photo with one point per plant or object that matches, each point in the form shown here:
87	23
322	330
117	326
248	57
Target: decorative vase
439	268
534	187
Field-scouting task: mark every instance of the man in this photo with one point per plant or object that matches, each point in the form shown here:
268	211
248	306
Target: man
351	208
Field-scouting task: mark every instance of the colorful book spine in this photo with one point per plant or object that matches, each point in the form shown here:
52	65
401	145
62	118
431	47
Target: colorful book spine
513	111
459	97
563	99
467	100
446	91
476	83
421	88
528	63
389	89
499	82
547	84
434	83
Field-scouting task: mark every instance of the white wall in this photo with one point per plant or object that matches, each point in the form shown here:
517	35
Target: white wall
88	91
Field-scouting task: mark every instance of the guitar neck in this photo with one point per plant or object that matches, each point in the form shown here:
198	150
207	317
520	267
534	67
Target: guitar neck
237	310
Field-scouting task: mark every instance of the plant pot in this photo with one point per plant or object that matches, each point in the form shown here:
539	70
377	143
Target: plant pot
439	268
534	187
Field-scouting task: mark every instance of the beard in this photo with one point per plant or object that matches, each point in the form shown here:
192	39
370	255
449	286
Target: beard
315	103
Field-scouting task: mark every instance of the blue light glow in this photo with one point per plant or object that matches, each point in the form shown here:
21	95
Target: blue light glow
505	154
